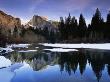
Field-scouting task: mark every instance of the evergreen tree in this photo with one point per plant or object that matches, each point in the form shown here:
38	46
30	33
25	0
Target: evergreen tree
97	26
61	28
108	18
46	33
74	27
82	26
0	30
108	26
68	27
96	20
23	30
52	36
15	32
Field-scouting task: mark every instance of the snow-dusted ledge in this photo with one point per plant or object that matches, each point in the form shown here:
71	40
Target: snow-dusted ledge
105	46
61	50
24	51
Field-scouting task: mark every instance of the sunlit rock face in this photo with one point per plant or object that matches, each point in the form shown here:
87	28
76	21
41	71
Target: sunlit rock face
41	22
8	21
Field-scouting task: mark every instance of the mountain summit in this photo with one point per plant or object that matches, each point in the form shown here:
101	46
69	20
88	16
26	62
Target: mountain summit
41	23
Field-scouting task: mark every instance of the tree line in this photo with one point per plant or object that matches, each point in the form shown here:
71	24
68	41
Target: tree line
69	30
73	31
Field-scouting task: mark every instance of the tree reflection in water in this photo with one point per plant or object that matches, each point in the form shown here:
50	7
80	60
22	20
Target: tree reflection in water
69	62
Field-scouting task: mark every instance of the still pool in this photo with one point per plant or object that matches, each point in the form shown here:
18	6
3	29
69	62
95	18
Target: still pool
41	65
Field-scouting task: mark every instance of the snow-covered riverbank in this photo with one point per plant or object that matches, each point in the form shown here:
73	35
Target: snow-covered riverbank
9	48
105	46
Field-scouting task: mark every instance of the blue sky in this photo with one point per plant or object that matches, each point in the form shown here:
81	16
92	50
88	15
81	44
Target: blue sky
53	9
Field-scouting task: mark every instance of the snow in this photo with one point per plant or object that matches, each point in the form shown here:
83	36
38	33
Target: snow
105	46
37	47
19	45
4	62
6	49
9	47
60	50
27	51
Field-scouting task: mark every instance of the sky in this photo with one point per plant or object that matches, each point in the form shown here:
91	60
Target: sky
54	9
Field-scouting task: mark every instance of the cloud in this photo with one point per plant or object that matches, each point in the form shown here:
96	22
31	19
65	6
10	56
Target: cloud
34	4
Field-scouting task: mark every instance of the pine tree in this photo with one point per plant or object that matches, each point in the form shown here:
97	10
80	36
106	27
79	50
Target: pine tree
74	27
96	20
23	31
15	32
108	26
0	30
68	27
97	26
52	36
108	18
46	33
82	26
61	28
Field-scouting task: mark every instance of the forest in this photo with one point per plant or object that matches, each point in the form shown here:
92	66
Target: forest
97	31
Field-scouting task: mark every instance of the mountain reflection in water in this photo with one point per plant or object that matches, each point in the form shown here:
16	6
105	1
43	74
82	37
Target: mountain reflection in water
85	65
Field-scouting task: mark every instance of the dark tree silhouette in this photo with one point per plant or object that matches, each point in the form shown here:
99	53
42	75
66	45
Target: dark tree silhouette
61	28
96	20
82	26
74	27
68	26
108	26
15	32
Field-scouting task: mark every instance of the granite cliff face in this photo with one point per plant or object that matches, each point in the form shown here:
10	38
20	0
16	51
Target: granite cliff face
41	22
8	21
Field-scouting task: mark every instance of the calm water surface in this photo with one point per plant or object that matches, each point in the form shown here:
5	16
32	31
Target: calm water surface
45	66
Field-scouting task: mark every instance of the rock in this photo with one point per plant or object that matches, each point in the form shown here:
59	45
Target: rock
41	22
8	21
